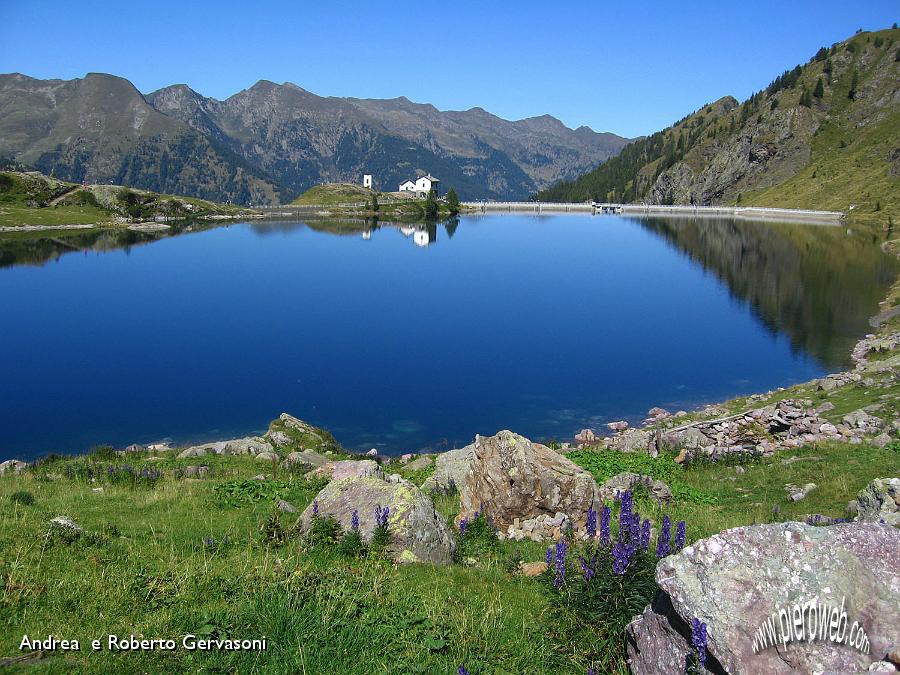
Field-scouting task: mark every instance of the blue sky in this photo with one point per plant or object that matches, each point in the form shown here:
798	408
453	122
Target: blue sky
631	68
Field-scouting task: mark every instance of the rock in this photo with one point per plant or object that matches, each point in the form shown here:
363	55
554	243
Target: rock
267	456
12	466
348	468
450	470
682	456
735	580
739	470
631	440
422	462
278	438
260	477
621	425
305	459
819	519
97	490
372	453
286	507
417	532
880	500
66	523
860	419
195	451
828	429
532	569
405	457
825	406
691	438
831	383
252	445
882	667
658	413
585	436
512	477
881	440
795	494
134	447
195	471
627	480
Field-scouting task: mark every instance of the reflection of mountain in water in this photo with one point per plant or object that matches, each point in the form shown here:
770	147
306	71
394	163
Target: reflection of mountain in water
817	284
421	233
41	248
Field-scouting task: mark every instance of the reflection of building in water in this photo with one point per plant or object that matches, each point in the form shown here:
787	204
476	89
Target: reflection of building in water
421	238
422	235
367	235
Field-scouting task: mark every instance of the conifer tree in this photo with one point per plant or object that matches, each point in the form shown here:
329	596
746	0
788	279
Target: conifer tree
819	91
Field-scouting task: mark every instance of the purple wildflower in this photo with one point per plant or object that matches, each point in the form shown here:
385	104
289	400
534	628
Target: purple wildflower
645	534
586	569
549	556
315	508
561	548
621	557
662	541
384	516
354	521
625	511
591	523
462	526
462	671
605	516
680	532
699	640
209	541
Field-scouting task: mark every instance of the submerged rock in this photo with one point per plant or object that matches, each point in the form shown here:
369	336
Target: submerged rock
734	581
513	478
417	532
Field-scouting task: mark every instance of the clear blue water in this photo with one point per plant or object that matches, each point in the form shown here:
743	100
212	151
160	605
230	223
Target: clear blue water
543	325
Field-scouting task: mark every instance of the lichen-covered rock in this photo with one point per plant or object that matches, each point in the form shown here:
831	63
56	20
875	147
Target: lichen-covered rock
278	438
860	419
880	500
450	470
734	581
267	456
197	451
631	440
288	430
512	478
418	463
417	532
348	468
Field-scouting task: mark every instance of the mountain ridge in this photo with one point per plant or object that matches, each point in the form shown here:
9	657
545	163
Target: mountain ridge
269	142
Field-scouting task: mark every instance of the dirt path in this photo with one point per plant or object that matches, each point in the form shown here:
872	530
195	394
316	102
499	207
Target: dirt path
58	199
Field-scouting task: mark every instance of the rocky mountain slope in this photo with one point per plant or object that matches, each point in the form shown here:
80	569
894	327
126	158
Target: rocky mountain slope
268	143
823	135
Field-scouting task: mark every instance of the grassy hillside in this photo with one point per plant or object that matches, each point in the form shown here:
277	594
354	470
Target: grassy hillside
334	193
30	198
823	135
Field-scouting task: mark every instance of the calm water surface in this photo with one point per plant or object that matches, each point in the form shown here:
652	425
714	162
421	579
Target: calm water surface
401	339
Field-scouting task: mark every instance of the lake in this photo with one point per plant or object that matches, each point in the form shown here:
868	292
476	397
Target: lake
404	338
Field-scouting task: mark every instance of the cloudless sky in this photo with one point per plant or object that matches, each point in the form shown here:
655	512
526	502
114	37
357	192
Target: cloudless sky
627	67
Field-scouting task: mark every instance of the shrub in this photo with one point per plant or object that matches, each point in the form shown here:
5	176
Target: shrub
323	531
598	586
273	531
22	497
102	452
476	537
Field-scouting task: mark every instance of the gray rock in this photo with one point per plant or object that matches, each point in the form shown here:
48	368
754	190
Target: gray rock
267	456
585	436
860	419
12	466
795	493
349	468
418	463
252	445
735	580
631	440
66	523
286	507
691	438
512	478
134	447
880	500
417	532
195	471
627	480
620	425
278	438
881	440
450	470
307	459
195	451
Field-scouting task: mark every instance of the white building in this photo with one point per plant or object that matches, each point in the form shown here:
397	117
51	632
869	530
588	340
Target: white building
367	180
421	186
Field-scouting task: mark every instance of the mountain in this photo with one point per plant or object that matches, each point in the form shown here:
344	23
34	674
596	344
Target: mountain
100	129
268	143
824	135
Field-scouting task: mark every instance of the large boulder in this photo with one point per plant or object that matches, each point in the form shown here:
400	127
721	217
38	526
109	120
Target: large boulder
419	463
626	481
450	470
631	440
288	430
734	582
417	532
512	478
12	466
879	501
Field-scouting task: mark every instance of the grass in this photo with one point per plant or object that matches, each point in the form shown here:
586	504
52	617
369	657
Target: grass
19	214
144	566
334	193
